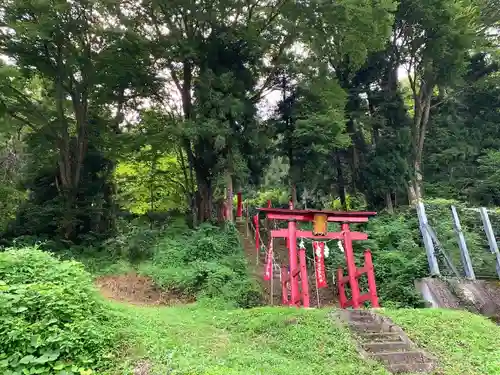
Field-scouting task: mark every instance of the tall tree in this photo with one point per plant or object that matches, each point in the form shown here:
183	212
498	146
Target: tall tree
309	123
221	57
342	34
434	37
464	137
74	49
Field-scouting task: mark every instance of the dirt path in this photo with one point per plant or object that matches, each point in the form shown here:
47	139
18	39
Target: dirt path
137	290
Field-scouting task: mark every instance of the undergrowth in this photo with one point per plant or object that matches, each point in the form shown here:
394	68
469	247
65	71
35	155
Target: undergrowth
398	258
207	263
51	319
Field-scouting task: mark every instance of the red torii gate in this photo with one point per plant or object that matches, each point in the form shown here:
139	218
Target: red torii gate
297	264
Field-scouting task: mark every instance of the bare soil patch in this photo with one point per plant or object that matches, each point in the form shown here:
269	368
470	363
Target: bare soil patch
137	290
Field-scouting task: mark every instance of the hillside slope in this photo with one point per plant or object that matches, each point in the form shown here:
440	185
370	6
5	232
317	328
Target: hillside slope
477	296
200	341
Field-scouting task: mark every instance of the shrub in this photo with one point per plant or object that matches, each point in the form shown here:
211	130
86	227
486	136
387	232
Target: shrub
278	198
398	258
208	262
51	320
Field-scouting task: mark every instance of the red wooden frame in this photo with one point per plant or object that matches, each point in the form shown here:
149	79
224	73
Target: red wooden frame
297	270
239	206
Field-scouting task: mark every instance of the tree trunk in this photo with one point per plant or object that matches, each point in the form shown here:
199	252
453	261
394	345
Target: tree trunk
229	198
293	194
341	182
204	204
388	202
415	185
68	219
422	97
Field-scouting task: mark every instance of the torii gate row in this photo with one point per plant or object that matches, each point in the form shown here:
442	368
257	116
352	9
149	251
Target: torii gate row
297	259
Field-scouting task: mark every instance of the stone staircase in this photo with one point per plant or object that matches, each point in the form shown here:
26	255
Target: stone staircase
380	339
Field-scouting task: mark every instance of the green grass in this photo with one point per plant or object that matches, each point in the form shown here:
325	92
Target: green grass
198	340
464	343
202	341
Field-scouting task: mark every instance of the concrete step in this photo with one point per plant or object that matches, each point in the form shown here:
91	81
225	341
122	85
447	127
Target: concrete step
380	337
367	327
362	318
391	358
386	346
359	312
411	368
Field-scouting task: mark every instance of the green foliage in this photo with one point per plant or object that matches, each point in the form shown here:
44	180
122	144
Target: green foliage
279	197
279	341
51	320
151	174
461	148
489	187
145	186
12	198
134	243
353	203
207	263
398	257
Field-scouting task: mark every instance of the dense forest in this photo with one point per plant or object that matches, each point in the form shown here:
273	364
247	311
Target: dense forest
127	126
130	108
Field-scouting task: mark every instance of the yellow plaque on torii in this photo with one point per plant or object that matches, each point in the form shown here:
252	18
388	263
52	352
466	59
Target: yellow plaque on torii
320	224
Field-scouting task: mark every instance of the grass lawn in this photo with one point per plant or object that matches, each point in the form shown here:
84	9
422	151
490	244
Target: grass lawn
465	344
200	341
196	340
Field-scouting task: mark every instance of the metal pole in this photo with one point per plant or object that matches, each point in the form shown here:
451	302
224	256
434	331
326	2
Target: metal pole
491	236
447	259
428	244
464	251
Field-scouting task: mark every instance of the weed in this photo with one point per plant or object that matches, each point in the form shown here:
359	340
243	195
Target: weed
50	317
208	263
